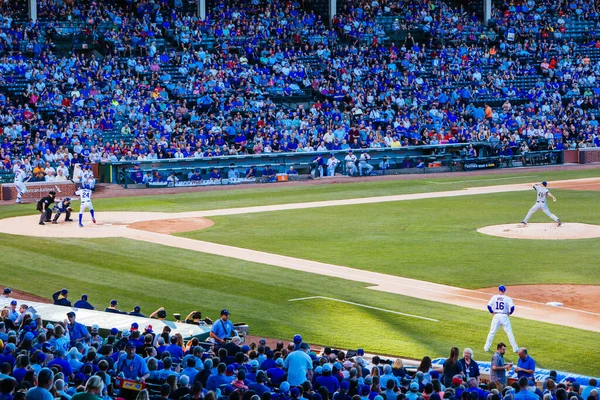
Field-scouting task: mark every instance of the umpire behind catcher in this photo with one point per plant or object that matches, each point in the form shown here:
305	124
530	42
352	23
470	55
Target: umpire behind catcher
43	206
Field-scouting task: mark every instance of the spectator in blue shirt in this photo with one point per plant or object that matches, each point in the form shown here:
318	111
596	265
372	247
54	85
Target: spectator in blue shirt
299	365
524	393
215	381
175	350
326	380
78	332
131	365
222	329
45	380
525	365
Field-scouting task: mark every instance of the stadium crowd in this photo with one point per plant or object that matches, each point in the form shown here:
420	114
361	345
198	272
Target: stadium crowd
172	86
68	360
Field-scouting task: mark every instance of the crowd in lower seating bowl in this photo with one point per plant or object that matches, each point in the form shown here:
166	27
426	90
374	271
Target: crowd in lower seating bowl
42	360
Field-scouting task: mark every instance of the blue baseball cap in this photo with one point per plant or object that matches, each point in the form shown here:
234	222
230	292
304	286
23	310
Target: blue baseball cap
502	288
84	297
545	183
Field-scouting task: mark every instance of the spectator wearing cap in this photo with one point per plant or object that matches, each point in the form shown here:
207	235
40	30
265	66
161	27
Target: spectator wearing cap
95	335
159	314
525	393
59	360
13	314
112	308
215	381
469	366
60	298
83	303
526	365
137	312
269	361
413	391
196	355
77	331
574	390
299	365
131	365
93	389
45	380
221	329
327	380
6	293
254	366
277	374
259	387
7	355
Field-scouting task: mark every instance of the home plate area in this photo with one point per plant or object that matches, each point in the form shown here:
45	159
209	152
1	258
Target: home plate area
547	231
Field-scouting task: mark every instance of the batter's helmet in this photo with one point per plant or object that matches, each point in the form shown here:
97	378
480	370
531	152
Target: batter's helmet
502	288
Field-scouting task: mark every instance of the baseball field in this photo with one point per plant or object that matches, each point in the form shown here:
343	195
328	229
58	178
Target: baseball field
427	239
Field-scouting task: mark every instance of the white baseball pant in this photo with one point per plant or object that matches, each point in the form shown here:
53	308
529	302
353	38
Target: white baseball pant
87	205
501	319
540	206
21	189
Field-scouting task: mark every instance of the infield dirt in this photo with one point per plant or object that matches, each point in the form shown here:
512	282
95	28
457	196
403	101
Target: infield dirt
144	226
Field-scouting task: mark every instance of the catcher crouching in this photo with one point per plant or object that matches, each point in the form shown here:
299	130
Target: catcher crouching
63	206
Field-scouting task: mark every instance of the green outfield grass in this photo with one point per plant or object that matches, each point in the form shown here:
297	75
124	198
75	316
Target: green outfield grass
432	240
283	194
181	281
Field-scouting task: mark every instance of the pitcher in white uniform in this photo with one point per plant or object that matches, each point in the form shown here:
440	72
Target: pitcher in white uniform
540	203
502	307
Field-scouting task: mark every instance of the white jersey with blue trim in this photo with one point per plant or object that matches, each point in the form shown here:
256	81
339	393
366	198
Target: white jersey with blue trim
542	193
20	176
501	304
85	195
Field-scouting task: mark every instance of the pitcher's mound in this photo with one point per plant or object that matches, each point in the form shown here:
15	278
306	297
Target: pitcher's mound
547	231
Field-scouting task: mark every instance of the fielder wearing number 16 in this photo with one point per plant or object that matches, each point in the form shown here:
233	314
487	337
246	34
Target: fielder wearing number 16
502	307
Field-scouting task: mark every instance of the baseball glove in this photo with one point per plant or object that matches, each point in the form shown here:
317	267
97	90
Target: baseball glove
69	208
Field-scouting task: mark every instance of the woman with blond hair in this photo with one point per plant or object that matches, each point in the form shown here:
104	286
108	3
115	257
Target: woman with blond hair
398	368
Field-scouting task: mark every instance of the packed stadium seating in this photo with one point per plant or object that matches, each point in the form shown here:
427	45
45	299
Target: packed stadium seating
121	81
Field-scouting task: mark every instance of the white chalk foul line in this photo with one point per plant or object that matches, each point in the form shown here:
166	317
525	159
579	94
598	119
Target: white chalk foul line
364	306
482	180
